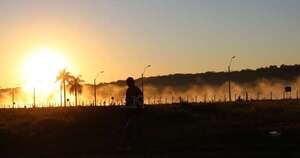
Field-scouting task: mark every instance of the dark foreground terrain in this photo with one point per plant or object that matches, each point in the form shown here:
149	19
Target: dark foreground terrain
215	130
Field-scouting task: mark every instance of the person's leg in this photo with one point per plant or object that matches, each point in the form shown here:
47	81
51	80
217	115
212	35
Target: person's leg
138	129
130	131
125	133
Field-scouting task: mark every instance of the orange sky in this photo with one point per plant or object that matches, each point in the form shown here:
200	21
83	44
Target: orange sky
122	37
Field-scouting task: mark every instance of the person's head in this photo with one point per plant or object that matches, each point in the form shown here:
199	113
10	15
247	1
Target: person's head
130	82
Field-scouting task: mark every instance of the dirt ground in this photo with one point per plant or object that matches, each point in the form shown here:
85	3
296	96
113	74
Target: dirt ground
212	130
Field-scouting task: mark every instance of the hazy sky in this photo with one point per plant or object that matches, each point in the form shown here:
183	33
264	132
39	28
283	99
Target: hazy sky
121	36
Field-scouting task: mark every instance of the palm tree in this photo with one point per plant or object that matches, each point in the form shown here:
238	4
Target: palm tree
63	77
75	88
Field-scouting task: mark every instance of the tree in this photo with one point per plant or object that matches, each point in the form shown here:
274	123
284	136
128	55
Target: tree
64	77
75	86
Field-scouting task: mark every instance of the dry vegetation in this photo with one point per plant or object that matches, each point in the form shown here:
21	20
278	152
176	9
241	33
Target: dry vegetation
214	130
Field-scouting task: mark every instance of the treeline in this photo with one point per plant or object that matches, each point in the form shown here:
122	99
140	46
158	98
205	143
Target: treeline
283	73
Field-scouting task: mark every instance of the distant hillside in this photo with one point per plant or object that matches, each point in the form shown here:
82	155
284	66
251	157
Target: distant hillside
283	73
256	83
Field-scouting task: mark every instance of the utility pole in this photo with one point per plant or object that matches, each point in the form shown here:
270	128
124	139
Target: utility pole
95	93
13	96
143	83
34	98
143	77
95	88
229	79
271	96
229	85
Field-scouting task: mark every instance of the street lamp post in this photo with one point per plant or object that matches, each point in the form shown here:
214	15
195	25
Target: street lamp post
13	97
143	77
297	95
95	88
34	98
229	80
13	94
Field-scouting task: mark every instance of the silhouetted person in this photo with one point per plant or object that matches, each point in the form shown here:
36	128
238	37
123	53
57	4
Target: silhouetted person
134	96
134	105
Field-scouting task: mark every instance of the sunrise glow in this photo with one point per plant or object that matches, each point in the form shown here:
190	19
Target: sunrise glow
41	68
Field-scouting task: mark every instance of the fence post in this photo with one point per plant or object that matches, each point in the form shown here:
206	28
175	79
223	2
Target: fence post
271	96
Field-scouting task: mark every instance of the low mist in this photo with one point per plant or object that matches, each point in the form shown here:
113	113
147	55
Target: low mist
115	93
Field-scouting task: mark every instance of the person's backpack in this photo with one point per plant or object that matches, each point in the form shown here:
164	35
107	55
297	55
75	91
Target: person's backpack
139	101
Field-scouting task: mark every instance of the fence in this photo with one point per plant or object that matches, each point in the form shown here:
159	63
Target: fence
158	100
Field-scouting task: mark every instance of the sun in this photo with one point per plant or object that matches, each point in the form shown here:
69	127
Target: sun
41	68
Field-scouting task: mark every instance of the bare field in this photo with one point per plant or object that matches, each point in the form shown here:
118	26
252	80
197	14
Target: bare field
208	130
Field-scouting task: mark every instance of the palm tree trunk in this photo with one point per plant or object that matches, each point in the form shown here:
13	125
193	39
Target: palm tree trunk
75	96
60	94
65	100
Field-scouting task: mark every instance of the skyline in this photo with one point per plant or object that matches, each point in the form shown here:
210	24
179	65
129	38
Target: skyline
121	37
